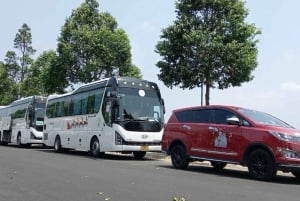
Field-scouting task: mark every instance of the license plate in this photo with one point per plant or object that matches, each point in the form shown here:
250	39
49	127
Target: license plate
144	148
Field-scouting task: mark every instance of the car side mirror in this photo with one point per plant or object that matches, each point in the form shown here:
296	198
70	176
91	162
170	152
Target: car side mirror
233	121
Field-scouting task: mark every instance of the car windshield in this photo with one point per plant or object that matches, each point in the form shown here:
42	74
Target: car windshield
263	118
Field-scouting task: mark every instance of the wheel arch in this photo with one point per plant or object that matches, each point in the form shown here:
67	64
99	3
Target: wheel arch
255	146
174	143
19	134
56	136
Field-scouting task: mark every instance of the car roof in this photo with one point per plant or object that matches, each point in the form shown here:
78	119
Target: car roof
207	107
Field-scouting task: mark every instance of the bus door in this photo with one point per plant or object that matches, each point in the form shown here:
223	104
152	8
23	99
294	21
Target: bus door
106	128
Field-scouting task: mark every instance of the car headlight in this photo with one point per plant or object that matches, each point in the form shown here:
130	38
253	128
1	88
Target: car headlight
286	137
287	153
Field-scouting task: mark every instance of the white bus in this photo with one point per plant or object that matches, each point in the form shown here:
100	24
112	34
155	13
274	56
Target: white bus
110	115
21	122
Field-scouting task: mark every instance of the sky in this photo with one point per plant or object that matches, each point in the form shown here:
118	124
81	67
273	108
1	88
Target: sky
275	88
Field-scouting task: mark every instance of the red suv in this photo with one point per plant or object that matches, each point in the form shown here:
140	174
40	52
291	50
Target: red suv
228	134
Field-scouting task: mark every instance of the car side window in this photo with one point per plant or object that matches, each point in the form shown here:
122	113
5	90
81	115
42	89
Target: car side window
194	116
220	116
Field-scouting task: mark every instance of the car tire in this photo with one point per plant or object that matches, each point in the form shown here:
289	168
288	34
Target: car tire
261	165
218	165
179	158
296	173
139	154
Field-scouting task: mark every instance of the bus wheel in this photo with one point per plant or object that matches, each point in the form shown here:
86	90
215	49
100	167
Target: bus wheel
19	144
95	148
139	154
57	144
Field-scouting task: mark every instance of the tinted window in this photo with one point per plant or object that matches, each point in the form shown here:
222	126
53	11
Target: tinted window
220	116
194	116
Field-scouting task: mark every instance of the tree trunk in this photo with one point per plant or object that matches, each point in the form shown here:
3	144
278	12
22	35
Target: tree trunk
207	94
207	87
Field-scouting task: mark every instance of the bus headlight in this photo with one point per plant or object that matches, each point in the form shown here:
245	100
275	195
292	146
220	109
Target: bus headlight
118	139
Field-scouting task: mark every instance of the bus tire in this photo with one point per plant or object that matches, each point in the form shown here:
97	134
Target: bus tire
57	144
95	148
19	143
139	154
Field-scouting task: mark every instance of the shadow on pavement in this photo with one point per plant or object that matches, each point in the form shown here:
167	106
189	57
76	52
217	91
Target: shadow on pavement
234	172
108	155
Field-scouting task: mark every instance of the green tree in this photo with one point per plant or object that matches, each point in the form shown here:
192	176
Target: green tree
53	79
91	45
22	42
11	65
209	43
39	77
7	86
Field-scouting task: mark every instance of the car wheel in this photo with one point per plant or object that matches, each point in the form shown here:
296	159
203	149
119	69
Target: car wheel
261	165
139	154
57	144
179	158
218	165
296	173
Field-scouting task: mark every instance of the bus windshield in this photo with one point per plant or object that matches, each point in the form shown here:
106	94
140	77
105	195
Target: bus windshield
140	104
39	111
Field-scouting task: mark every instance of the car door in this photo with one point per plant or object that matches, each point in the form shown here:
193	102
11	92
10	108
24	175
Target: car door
197	127
226	139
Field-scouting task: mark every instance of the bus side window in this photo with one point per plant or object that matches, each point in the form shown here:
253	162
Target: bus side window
91	102
77	105
71	107
50	110
84	103
59	109
98	99
66	107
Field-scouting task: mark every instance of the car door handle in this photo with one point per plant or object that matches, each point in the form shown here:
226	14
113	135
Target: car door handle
213	129
186	127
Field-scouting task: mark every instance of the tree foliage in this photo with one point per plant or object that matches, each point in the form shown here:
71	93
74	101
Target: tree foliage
91	45
22	42
209	43
40	79
11	65
8	88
